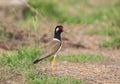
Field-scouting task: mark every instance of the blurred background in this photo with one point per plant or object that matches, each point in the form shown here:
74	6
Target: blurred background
92	36
87	22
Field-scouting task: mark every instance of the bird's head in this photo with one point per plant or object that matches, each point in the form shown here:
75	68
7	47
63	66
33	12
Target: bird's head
59	29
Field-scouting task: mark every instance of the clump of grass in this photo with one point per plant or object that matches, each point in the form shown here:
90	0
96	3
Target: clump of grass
105	31
58	11
46	8
52	10
22	62
83	58
22	59
114	43
107	14
112	32
33	79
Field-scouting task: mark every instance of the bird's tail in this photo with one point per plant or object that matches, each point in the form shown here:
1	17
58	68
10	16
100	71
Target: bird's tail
36	61
39	59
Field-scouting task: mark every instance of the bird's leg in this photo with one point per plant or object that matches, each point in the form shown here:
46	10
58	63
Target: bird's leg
53	61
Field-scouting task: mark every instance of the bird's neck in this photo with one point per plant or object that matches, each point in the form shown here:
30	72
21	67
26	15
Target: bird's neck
57	36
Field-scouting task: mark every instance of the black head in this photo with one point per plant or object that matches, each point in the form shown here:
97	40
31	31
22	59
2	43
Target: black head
58	31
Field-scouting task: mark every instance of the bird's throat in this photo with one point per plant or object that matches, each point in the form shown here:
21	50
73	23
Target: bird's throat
57	36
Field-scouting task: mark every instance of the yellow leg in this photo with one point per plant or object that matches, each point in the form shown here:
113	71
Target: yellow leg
53	61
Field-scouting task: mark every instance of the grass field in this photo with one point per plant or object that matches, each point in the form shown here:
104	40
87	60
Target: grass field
65	13
22	62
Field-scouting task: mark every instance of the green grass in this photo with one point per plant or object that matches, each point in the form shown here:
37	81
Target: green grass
113	33
114	43
53	80
107	14
82	58
110	31
52	10
22	62
74	12
59	11
23	58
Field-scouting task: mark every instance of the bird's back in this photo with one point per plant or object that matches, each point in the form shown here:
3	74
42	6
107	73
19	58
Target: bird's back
51	49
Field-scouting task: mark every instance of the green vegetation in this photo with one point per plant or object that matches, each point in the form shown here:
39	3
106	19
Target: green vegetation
21	62
108	14
53	80
106	31
52	10
113	33
74	13
83	58
108	18
23	58
114	43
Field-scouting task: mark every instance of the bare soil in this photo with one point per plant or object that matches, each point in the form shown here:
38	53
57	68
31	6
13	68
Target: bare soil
90	73
7	78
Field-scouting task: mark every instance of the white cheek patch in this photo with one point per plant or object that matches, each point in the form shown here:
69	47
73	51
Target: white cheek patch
57	29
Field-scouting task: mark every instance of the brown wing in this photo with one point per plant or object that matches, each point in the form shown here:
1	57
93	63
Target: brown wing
51	49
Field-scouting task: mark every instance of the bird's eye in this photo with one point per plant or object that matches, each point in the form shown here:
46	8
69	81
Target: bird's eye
57	29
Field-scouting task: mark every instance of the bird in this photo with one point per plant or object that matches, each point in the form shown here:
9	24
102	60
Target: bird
52	48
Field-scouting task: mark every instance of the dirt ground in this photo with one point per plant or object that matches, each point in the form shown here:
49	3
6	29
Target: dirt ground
75	42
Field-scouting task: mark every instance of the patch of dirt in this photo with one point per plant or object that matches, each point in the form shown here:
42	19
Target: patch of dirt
90	73
13	36
7	78
3	51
